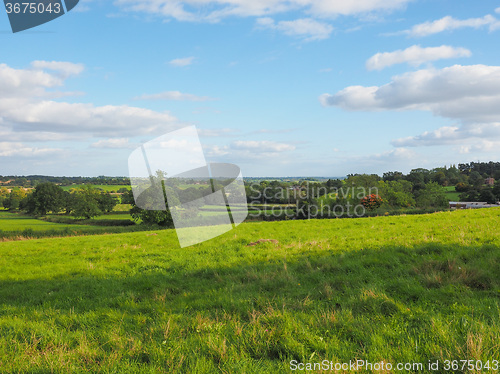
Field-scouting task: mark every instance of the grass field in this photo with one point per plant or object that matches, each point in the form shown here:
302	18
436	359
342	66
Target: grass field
104	187
451	194
393	289
18	222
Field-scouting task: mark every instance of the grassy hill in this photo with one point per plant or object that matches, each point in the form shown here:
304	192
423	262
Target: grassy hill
393	289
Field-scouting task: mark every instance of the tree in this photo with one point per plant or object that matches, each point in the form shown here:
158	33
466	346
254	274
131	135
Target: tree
462	187
106	202
392	176
47	197
127	197
151	206
476	179
371	202
432	195
496	189
397	193
487	196
85	202
14	198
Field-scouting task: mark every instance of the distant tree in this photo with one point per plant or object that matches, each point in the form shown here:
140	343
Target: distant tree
85	202
487	196
151	206
432	195
476	179
392	176
462	187
371	202
106	202
47	197
418	178
13	200
127	197
397	193
334	183
496	189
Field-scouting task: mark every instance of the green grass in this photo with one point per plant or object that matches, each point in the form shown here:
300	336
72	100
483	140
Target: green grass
398	289
104	187
17	222
451	194
122	208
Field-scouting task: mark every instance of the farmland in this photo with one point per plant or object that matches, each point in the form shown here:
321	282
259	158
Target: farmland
392	289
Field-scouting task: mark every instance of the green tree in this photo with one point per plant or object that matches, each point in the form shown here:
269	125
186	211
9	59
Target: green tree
487	196
151	206
397	194
432	196
13	200
47	197
85	202
106	202
496	190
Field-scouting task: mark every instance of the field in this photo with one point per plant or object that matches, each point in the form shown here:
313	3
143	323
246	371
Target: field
16	226
451	194
18	222
104	187
402	289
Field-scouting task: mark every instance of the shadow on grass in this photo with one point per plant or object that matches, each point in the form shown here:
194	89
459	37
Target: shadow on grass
323	303
404	274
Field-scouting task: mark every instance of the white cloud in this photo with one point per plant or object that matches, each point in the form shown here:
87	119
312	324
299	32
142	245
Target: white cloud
181	62
449	23
467	94
261	146
19	149
116	143
26	108
415	56
215	10
451	135
65	68
306	28
174	95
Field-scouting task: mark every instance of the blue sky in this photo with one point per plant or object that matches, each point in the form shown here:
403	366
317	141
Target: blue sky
281	88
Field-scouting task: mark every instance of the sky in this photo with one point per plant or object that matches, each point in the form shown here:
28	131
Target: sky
278	87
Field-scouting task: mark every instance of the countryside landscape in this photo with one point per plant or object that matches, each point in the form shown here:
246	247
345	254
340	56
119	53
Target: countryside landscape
249	187
104	287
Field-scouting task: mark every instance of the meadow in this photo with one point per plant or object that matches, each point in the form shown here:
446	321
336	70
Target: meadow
103	187
451	193
404	289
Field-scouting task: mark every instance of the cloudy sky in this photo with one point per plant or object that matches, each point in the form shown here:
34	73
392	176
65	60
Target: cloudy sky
279	87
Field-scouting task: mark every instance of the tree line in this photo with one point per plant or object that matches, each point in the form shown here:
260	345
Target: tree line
83	202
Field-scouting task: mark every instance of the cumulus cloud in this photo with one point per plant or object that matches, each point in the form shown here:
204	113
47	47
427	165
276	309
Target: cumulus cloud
449	23
452	135
115	143
8	149
181	62
264	146
414	56
26	107
467	94
306	28
249	151
174	95
67	69
215	10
